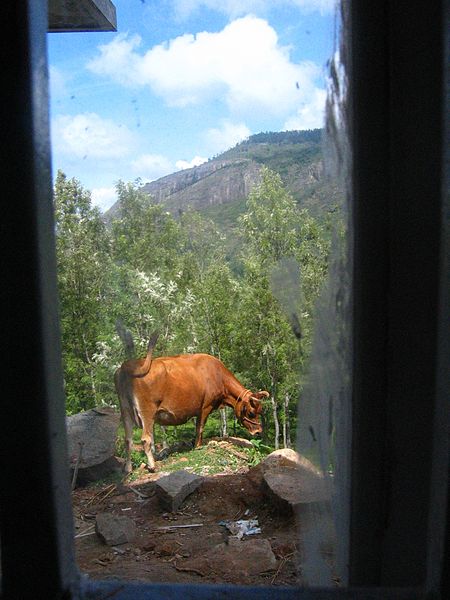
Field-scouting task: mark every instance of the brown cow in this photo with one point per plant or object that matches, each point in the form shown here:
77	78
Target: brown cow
175	389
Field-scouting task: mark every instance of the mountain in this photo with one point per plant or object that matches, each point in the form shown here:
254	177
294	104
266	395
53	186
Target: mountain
220	186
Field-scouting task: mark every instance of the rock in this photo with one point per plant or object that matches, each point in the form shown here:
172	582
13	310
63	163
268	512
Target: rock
286	457
149	546
172	489
236	441
291	480
237	558
114	530
297	486
242	442
100	471
96	431
168	548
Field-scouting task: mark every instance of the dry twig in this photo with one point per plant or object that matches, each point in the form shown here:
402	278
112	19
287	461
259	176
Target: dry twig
88	531
109	490
77	465
177	527
189	570
283	561
138	493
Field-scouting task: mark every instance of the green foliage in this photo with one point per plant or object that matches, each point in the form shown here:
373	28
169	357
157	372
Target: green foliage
158	272
82	249
258	452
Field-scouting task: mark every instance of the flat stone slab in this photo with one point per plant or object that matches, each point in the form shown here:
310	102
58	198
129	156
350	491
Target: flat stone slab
236	557
113	530
172	489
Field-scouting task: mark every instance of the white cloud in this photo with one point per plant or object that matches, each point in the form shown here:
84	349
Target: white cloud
227	136
195	162
104	197
237	8
243	65
119	60
90	136
152	166
310	115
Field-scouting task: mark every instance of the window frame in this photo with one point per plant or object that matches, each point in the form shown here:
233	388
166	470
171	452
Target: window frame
398	62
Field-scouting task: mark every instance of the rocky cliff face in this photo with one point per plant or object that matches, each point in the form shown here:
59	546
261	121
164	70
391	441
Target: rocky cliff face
220	185
231	176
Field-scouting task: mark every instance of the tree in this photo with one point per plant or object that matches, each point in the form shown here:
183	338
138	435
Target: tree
271	221
145	236
82	247
278	310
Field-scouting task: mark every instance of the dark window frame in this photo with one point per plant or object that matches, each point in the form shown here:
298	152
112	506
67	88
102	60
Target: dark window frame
398	59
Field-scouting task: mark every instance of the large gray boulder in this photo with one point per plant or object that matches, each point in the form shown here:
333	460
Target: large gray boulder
92	443
297	487
291	480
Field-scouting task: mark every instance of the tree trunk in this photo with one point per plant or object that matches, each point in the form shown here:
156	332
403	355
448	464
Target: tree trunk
90	370
223	422
275	422
286	424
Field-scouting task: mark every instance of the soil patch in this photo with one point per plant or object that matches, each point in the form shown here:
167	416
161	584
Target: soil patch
183	546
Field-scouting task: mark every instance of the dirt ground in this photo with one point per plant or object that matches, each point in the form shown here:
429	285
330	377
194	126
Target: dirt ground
161	554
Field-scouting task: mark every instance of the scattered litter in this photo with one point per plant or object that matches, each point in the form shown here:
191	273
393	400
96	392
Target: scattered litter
129	508
242	527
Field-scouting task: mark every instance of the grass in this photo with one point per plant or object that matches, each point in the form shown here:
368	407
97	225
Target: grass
210	458
216	457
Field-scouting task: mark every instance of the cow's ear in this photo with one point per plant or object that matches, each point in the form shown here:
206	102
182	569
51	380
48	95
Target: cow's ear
256	405
261	394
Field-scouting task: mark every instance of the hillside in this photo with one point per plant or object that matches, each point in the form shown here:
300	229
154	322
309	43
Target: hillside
220	186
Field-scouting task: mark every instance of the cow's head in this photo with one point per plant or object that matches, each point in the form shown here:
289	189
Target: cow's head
249	412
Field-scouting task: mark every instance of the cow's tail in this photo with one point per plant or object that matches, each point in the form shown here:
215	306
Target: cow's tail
127	339
127	401
135	370
132	367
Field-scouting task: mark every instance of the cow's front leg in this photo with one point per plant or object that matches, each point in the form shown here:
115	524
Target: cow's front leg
201	420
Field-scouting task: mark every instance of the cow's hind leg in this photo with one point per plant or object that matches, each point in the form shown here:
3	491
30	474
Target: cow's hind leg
128	429
148	443
164	437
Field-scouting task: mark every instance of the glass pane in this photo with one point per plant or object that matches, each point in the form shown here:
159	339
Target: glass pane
199	194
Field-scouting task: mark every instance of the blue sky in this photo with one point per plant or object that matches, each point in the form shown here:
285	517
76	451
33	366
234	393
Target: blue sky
181	81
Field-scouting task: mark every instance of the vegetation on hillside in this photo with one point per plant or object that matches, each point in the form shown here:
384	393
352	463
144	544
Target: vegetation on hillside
158	272
279	150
